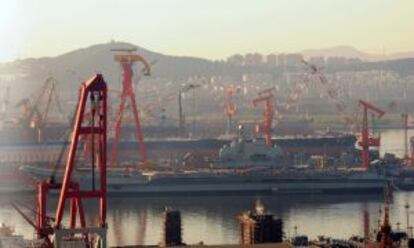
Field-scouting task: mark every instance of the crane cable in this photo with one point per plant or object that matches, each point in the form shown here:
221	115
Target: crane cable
66	140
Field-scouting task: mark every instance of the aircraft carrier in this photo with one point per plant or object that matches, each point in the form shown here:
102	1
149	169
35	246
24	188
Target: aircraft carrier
216	181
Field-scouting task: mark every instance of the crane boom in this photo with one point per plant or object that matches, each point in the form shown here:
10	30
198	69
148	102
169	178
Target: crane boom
35	114
333	94
132	58
371	107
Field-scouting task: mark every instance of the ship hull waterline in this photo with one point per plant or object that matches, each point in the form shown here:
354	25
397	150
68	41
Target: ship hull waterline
136	184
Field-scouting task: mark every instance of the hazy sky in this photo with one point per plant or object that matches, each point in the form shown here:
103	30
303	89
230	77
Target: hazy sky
210	28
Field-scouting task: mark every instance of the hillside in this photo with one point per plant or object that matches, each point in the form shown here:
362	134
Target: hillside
337	51
83	62
70	68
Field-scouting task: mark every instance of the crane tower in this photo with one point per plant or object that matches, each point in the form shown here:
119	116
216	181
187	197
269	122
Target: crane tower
127	59
366	141
265	126
93	96
230	109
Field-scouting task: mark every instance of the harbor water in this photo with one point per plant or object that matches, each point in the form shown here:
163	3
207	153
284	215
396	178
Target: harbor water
213	219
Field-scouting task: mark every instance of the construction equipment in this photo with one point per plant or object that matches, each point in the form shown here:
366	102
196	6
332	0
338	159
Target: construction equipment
30	114
332	91
296	93
181	118
366	140
229	108
35	115
51	229
350	119
127	59
265	96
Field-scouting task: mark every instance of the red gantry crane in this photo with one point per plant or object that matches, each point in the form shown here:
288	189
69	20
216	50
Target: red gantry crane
265	96
92	100
366	140
229	108
127	60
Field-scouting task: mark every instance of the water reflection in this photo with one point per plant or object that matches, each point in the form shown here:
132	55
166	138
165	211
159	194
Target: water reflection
212	219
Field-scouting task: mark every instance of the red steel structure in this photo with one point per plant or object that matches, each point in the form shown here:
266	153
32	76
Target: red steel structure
95	90
127	61
230	108
366	140
265	126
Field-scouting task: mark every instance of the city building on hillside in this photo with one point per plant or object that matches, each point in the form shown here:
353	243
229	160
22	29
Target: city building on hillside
253	59
271	60
293	59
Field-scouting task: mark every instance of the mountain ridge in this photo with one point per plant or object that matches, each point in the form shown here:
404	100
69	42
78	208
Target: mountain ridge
74	66
333	51
351	52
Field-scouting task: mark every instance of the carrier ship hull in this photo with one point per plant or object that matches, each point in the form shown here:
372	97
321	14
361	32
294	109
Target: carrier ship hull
228	183
276	187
